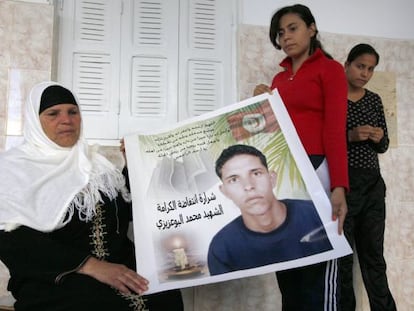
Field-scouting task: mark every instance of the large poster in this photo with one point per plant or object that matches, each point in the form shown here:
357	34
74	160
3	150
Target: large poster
227	195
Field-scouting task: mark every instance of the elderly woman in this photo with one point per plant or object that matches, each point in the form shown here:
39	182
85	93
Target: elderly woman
64	216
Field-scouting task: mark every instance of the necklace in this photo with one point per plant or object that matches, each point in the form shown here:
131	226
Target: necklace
292	75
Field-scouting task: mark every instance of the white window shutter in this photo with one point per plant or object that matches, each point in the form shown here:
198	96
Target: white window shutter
206	56
149	64
149	87
204	86
90	77
89	62
145	64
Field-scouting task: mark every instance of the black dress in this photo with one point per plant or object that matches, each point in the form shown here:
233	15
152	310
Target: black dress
42	265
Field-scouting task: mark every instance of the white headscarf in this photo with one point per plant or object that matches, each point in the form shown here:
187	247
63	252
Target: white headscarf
43	184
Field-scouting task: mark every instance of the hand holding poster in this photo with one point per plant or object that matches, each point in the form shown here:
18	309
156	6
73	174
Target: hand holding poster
226	195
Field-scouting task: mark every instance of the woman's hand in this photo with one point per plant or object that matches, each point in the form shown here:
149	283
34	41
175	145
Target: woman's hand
365	132
376	134
115	275
359	133
260	89
339	207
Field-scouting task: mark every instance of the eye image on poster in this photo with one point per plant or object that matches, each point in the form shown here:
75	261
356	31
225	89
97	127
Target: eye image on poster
227	195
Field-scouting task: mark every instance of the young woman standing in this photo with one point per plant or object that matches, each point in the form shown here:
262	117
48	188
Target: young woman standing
365	223
313	87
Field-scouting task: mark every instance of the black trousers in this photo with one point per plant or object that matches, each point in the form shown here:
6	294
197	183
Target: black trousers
169	300
310	288
364	229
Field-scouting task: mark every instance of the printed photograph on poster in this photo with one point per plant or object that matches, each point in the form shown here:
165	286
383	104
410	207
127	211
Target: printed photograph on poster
227	195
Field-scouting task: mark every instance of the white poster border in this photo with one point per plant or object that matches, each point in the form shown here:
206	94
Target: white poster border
145	250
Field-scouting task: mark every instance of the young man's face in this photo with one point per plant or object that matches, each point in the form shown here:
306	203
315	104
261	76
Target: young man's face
248	184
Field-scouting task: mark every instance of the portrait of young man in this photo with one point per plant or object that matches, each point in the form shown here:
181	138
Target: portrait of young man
268	230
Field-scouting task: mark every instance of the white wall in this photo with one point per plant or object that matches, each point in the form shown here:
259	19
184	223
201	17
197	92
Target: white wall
377	18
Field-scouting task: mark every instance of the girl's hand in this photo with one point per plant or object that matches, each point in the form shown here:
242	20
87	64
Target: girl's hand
339	207
359	133
376	134
260	89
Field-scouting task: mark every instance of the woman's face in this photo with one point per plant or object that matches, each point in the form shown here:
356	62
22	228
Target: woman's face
62	124
295	36
360	70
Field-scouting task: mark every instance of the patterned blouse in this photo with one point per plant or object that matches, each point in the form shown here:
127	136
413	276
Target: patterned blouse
366	111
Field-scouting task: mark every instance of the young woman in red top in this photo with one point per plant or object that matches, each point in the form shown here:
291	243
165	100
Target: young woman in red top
314	89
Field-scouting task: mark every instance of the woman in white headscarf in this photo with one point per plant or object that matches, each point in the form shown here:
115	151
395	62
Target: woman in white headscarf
64	216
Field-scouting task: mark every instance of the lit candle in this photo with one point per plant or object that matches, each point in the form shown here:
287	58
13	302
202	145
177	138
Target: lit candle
180	258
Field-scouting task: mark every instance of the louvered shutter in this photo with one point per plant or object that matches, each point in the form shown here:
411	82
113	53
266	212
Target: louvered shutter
149	64
144	64
89	62
206	56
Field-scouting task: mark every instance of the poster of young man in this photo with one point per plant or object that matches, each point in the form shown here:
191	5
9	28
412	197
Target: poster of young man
227	195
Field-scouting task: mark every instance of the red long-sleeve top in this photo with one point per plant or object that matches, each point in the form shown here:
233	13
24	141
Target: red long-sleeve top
316	99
